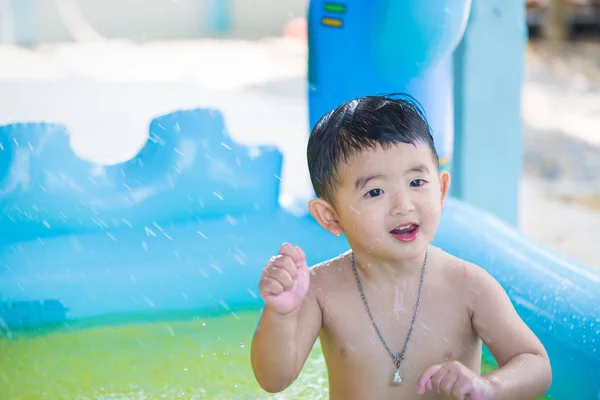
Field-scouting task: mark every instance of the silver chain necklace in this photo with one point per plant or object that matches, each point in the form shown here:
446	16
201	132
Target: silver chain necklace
398	357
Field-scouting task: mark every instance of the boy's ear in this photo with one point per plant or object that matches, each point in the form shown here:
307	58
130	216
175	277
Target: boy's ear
325	215
444	186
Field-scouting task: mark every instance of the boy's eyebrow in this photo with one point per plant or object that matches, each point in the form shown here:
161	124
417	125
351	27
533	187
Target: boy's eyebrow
419	168
363	180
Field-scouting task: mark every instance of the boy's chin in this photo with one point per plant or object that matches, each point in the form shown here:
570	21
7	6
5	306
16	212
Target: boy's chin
390	248
410	250
398	253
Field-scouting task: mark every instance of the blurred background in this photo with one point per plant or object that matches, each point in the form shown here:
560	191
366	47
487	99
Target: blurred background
561	116
105	68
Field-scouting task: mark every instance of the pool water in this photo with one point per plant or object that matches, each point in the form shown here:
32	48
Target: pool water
184	356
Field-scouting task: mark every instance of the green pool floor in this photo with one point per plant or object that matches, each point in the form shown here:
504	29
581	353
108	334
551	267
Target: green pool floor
199	357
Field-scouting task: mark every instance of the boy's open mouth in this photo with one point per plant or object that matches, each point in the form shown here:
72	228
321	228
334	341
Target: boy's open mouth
405	233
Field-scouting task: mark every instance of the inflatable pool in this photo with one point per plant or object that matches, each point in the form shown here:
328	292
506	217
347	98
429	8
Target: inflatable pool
140	279
59	269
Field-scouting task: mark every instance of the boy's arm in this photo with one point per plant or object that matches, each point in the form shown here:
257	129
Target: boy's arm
524	368
282	343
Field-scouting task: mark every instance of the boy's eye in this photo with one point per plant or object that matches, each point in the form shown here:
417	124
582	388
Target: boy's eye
374	192
417	183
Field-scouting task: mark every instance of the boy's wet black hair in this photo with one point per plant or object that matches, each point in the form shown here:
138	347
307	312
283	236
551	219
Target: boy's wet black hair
360	124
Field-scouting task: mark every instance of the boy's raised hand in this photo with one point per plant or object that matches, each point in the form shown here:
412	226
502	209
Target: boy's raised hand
455	381
285	280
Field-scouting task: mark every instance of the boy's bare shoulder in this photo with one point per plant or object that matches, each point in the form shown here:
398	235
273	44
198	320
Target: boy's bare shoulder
330	280
468	277
331	270
459	270
475	275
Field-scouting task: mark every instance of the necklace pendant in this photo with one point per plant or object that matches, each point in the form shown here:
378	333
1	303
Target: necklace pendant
397	379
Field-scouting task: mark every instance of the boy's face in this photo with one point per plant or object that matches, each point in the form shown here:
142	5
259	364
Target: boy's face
388	202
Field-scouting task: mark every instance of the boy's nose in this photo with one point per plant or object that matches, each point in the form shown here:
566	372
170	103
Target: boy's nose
402	205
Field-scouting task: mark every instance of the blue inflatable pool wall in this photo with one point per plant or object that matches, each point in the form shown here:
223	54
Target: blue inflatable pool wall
46	190
191	220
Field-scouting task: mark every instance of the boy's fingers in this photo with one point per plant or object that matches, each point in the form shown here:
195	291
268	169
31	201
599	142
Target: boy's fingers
429	372
295	253
422	388
290	251
283	277
425	379
287	249
272	287
286	263
301	256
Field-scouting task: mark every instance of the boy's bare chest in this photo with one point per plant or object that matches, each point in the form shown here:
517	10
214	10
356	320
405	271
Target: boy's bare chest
352	338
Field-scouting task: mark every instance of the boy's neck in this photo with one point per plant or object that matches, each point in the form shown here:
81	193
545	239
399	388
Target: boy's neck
373	268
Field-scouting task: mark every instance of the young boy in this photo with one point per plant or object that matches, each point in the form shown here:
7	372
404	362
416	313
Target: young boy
397	318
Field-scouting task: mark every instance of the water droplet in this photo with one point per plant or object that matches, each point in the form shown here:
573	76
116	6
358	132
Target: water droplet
224	305
204	274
